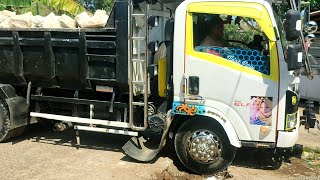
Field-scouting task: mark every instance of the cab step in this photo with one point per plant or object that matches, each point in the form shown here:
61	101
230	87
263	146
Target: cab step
106	130
81	120
78	128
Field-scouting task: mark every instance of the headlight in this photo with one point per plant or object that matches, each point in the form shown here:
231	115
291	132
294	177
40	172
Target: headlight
291	121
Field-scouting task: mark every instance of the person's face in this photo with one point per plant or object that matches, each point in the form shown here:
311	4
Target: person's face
255	106
218	30
265	108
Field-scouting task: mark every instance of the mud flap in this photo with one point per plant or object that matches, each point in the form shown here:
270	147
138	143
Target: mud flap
19	111
144	150
17	106
140	149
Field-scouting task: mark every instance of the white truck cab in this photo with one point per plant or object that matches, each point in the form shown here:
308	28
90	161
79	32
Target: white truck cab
240	82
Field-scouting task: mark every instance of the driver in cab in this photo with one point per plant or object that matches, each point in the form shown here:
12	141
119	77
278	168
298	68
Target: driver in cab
215	33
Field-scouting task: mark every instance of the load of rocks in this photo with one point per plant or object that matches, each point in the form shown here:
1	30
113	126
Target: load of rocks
10	19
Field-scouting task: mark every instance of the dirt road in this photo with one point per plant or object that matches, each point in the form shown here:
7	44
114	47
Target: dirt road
51	155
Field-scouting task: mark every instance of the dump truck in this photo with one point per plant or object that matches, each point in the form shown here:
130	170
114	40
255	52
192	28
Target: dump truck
210	75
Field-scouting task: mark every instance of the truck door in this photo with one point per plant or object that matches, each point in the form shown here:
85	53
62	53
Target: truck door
231	47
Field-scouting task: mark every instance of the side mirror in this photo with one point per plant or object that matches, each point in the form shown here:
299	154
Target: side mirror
194	85
310	27
292	25
294	56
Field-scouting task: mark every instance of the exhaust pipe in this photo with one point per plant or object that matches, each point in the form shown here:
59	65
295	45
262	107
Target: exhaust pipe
62	126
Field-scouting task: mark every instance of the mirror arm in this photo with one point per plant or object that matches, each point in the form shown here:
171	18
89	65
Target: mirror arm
306	62
293	5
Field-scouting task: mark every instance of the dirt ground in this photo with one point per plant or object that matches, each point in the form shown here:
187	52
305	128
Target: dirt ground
39	154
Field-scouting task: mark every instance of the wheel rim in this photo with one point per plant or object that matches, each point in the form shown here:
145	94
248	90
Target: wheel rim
1	123
204	146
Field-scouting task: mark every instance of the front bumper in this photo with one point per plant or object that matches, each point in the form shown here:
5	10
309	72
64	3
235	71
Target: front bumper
287	139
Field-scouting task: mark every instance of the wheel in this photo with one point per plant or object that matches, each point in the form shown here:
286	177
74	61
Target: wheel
203	147
5	123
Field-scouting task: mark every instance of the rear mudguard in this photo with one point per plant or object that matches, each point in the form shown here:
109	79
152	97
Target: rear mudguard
17	105
142	150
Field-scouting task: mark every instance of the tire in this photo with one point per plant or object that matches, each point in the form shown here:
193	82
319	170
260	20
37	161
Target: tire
185	135
5	123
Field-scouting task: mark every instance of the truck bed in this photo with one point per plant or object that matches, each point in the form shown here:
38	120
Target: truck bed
65	58
71	59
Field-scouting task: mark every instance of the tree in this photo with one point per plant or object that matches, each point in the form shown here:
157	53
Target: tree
12	3
68	6
314	5
243	31
93	5
42	7
105	4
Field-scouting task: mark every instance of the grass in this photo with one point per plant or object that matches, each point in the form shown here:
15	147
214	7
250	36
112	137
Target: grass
312	156
312	150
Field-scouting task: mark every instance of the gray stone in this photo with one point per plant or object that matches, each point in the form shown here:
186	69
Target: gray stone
9	19
99	20
67	22
82	19
5	23
3	18
21	21
38	21
7	13
52	21
4	15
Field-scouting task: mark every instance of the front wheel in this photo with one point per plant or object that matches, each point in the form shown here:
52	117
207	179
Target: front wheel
203	147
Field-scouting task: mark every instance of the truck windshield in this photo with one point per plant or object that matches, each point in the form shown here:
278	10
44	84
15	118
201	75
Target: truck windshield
234	38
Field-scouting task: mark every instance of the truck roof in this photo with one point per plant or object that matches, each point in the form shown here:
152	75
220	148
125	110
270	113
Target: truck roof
177	2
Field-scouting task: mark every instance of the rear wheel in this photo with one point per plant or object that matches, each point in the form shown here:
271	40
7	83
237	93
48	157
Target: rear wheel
203	147
4	123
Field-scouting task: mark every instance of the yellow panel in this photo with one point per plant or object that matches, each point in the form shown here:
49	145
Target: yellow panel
162	71
245	9
251	10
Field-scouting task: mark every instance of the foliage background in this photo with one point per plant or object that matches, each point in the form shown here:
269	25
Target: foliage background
74	7
314	5
44	7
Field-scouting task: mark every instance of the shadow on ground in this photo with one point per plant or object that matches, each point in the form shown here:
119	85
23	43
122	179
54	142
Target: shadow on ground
246	157
252	158
88	140
257	159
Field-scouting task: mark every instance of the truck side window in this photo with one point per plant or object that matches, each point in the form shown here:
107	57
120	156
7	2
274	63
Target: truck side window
238	39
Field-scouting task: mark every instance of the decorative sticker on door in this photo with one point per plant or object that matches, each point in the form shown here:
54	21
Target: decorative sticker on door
261	110
188	109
